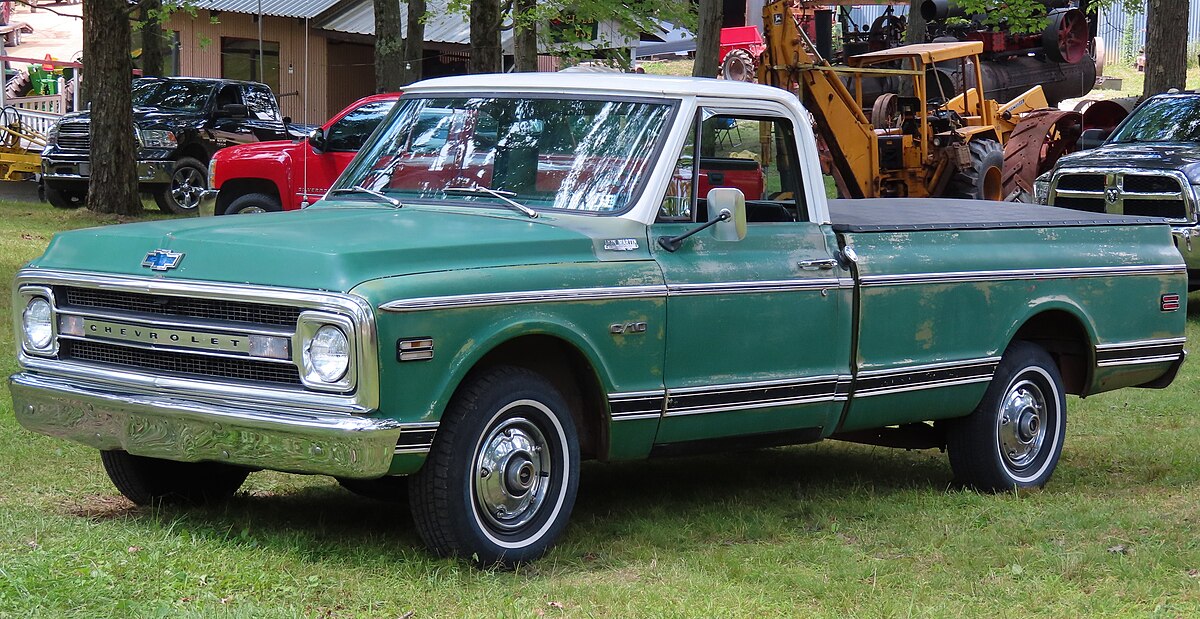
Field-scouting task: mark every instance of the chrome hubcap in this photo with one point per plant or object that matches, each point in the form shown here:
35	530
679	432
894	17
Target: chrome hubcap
512	471
252	209
1021	426
186	187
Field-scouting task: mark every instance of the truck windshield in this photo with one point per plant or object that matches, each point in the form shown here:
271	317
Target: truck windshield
1170	119
171	94
584	155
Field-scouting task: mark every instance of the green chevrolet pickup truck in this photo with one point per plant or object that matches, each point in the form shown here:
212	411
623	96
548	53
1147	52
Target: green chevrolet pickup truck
521	272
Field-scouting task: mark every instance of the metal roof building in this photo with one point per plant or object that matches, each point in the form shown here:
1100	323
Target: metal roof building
273	8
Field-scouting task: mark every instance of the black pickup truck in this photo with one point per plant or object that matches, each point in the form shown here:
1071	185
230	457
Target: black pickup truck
180	123
1149	166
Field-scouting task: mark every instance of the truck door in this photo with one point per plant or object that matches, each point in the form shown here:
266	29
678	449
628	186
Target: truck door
263	118
758	336
343	139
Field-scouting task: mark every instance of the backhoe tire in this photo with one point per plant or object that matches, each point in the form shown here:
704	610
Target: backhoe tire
64	198
1014	438
984	179
148	481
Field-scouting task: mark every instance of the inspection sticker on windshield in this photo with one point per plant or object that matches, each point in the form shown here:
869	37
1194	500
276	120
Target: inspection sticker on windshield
620	244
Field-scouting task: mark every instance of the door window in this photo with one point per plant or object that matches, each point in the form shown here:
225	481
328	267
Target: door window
349	133
754	154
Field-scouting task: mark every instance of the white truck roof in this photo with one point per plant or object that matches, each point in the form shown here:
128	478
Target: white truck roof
623	83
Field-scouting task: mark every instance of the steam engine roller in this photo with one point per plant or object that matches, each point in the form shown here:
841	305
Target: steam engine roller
933	132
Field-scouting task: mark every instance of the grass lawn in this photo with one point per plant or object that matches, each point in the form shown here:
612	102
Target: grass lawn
830	530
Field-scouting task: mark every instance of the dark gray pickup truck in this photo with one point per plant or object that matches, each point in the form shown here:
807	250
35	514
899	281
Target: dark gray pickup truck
180	123
1149	165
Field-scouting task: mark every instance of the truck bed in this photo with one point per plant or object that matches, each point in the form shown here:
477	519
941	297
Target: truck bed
917	214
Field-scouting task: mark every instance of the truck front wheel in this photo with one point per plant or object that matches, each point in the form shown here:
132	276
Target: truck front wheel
64	198
146	481
500	481
1014	438
182	196
254	203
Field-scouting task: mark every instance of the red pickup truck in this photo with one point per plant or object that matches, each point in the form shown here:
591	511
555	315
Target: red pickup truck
255	178
286	175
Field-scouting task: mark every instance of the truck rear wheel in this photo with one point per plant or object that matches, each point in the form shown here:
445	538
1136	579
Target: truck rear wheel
64	198
500	481
1014	438
182	196
254	203
984	180
147	481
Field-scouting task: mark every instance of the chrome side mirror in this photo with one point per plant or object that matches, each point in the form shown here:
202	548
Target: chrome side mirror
733	201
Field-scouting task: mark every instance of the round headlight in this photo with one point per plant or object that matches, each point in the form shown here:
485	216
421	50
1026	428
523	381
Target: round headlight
38	321
328	354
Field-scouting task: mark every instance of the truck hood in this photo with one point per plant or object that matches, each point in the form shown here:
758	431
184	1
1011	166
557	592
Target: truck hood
329	248
1145	155
273	150
148	117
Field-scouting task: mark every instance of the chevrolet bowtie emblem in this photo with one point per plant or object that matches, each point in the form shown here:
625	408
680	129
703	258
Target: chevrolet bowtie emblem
162	260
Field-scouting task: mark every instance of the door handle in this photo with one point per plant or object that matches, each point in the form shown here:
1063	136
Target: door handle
823	264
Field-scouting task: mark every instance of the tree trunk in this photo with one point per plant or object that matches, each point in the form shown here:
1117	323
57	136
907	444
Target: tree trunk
486	56
914	29
414	43
389	46
525	35
112	187
708	38
1166	46
152	37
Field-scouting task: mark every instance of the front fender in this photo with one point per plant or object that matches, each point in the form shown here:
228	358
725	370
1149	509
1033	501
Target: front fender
418	391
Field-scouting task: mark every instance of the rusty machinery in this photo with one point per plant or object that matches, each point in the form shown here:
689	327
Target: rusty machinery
929	136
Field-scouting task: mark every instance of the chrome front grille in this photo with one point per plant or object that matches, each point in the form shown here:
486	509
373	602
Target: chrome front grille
1145	193
215	341
188	307
179	362
74	136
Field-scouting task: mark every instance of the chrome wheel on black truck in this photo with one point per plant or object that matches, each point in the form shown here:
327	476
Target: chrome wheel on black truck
182	196
1014	437
501	479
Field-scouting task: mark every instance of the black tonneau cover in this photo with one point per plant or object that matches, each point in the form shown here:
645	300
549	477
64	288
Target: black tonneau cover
916	214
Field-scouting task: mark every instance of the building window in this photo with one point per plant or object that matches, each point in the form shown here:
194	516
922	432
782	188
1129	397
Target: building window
240	61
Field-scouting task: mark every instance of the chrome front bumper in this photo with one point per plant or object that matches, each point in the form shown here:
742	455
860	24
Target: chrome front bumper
152	172
187	430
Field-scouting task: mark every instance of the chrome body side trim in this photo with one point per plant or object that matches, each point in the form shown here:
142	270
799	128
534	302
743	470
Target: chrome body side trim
523	297
363	399
766	286
187	430
871	383
907	279
1140	352
754	395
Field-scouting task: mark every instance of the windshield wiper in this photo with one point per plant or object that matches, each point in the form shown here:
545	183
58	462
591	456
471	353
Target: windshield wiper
370	192
506	196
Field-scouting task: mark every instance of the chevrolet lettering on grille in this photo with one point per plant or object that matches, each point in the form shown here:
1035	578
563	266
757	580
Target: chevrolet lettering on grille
162	260
98	329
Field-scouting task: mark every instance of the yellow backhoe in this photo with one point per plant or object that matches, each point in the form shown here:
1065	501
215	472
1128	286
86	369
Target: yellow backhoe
927	135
